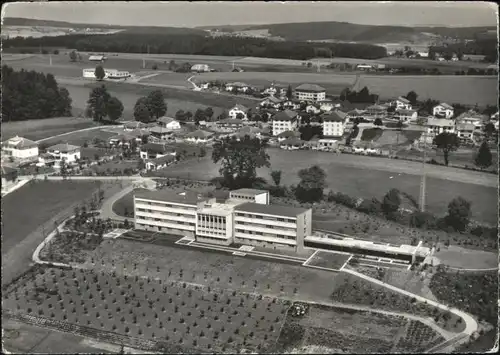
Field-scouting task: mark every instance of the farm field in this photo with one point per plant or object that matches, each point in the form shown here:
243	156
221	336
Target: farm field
39	129
27	208
443	184
466	90
79	138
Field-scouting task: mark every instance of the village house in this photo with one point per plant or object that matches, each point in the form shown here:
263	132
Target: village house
229	124
287	135
20	148
238	111
471	117
375	111
156	150
65	152
169	123
328	105
252	132
313	108
293	143
310	92
199	136
159	163
46	159
443	110
241	87
405	115
271	102
465	131
292	104
333	124
327	144
284	121
436	126
123	139
9	177
160	133
130	126
275	90
401	103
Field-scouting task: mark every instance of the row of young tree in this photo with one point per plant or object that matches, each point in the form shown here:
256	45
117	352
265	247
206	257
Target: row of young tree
29	95
129	42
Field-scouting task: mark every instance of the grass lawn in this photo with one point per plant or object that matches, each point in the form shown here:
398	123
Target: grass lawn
79	138
370	134
39	129
114	165
373	178
27	208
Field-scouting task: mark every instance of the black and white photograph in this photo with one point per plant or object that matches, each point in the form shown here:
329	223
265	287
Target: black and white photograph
249	177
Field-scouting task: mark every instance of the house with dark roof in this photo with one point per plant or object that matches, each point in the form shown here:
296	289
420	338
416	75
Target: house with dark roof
284	121
401	103
65	152
159	163
156	150
230	124
405	115
160	133
334	124
238	111
271	102
310	92
169	123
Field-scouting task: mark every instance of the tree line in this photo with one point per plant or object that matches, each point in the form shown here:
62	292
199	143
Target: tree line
201	45
29	95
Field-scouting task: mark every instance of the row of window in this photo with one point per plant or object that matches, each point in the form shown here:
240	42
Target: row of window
253	241
243	197
294	230
172	214
163	220
278	219
211	219
217	232
211	238
280	236
166	204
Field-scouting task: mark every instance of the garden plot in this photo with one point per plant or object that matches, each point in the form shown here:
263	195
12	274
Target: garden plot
70	246
211	268
191	317
417	338
354	290
328	260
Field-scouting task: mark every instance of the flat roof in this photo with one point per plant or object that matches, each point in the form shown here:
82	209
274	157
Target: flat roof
221	209
189	198
251	192
274	210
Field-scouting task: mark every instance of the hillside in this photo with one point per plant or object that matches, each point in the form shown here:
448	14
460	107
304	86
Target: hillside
344	31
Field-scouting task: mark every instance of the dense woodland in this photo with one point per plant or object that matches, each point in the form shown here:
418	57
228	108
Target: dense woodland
131	42
28	95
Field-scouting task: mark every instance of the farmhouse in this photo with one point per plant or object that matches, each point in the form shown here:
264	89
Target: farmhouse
437	126
169	123
443	110
292	144
159	163
327	144
122	139
471	117
238	111
333	124
284	121
156	150
465	131
200	68
291	104
376	111
240	87
405	115
9	177
245	218
20	148
283	136
130	126
310	92
108	74
271	102
313	108
160	133
401	103
275	90
229	124
65	152
199	136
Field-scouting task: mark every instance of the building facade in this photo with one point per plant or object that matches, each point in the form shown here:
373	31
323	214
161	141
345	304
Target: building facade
310	92
333	125
20	148
65	152
284	121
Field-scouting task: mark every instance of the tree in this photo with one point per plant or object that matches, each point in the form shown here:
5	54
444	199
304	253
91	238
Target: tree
97	102
199	115
141	111
276	176
99	72
483	158
209	113
447	142
114	108
72	56
240	160
202	152
391	202
156	104
459	212
239	116
289	92
489	129
312	183
412	97
378	122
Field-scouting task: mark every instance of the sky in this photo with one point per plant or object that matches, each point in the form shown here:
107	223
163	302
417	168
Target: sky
193	14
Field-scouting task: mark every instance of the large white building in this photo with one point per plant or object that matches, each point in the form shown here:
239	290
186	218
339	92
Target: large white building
310	92
245	218
284	121
20	148
108	74
200	68
333	124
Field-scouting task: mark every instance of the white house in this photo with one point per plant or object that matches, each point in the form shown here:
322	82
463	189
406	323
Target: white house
159	163
405	115
286	135
310	92
160	133
20	148
443	110
200	68
333	124
291	104
364	67
199	136
275	90
9	177
284	121
108	74
156	150
472	117
97	58
169	123
401	103
241	87
423	54
272	102
238	109
130	126
313	108
328	105
64	151
465	131
437	126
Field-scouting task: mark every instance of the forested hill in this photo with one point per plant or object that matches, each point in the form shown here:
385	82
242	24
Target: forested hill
344	31
158	43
